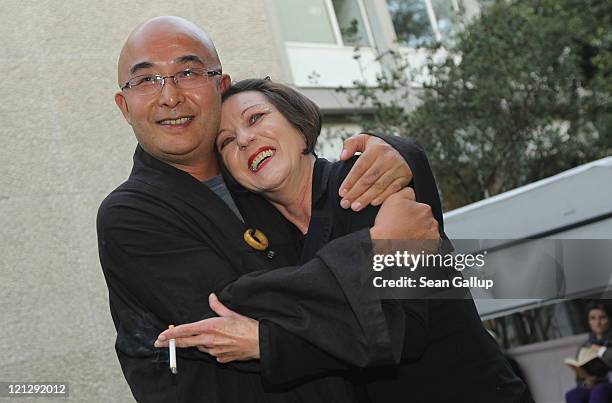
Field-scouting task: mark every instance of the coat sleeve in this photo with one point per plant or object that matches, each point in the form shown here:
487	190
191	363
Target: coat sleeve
328	302
425	191
423	180
288	360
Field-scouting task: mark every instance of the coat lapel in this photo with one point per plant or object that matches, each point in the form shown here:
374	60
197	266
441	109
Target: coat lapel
321	221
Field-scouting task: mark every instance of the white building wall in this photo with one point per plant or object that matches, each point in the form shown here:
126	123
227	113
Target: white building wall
64	147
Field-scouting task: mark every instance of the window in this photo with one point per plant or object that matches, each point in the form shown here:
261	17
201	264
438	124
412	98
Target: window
423	22
320	36
335	22
350	22
411	22
305	21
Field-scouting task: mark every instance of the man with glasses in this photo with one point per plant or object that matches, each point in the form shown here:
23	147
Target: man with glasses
172	234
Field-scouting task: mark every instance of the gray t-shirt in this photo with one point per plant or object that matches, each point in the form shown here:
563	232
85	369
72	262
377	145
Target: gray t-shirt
217	185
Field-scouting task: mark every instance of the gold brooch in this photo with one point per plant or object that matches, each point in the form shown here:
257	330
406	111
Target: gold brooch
256	239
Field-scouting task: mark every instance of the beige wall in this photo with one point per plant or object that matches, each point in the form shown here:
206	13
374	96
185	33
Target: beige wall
64	147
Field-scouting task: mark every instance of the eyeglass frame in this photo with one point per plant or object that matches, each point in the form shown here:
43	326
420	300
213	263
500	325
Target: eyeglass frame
209	73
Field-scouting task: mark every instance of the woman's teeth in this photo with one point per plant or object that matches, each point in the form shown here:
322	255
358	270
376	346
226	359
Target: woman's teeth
260	158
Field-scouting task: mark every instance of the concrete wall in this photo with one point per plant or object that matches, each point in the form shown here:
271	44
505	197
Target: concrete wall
542	363
64	147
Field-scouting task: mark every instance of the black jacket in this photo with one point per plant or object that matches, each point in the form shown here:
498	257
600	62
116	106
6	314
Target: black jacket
166	241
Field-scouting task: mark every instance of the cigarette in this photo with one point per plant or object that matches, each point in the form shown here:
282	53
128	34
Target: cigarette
172	350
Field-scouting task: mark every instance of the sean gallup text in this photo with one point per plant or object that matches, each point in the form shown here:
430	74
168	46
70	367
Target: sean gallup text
424	282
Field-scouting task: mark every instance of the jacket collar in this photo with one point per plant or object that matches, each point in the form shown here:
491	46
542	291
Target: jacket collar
321	220
184	187
320	178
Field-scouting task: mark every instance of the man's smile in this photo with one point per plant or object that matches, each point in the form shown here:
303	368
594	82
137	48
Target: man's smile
176	122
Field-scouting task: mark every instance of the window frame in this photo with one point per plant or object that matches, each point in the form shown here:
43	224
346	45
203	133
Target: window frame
339	42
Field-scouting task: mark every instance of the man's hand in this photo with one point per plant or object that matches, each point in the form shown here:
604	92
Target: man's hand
377	174
401	217
230	337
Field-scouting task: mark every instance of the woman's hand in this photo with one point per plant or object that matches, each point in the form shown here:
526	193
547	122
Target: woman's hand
595	347
378	173
229	337
401	217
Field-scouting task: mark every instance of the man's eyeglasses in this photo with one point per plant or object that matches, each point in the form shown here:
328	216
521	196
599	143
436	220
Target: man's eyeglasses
148	84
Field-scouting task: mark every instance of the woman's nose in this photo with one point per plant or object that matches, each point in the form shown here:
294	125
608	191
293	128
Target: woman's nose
244	137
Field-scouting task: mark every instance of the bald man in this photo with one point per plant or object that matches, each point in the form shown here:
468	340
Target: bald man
165	46
172	234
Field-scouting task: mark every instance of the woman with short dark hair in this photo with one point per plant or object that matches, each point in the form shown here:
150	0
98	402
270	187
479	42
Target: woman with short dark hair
266	140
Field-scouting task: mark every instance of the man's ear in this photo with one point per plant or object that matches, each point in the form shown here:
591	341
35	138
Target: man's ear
122	105
225	82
